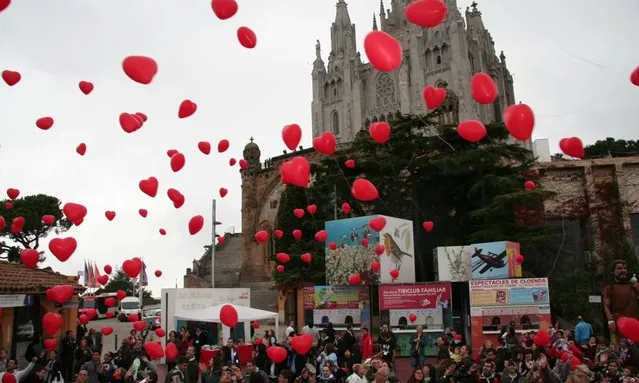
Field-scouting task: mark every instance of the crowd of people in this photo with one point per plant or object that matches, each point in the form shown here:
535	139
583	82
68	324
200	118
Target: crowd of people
349	356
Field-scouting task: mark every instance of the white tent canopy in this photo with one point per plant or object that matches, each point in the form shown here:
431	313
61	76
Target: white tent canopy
244	314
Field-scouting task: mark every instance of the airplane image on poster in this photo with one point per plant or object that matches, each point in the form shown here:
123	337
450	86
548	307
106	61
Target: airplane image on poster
489	261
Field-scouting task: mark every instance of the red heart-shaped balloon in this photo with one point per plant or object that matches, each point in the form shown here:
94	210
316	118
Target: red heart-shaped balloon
109	215
412	317
48	219
143	212
232	161
246	37
140	69
529	185
292	135
306	258
428	226
332	245
177	162
520	121
86	87
158	273
103	279
277	354
224	9
283	258
106	330
375	266
279	233
108	269
162	232
30	258
74	211
311	209
187	108
433	97
63	248
572	146
483	88
383	51
346	208
81	149
380	131
13	193
377	223
44	123
195	224
297	234
364	242
243	164
51	323
364	190
149	186
302	344
51	344
379	249
426	13
223	192
280	268
11	77
131	267
223	146
3	223
349	164
394	274
62	293
296	171
354	279
130	122
321	236
261	236
325	143
204	146
299	213
471	130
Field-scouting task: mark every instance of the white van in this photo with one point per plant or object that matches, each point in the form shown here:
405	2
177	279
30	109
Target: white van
128	306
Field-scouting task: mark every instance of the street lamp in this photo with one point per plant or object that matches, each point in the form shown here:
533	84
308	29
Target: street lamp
212	245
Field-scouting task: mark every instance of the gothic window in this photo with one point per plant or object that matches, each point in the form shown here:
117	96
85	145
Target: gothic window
335	92
382	118
428	58
438	57
274	204
497	110
385	91
335	122
445	54
439	60
472	62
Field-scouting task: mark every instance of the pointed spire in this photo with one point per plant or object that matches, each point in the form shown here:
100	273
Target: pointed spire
341	16
381	9
374	22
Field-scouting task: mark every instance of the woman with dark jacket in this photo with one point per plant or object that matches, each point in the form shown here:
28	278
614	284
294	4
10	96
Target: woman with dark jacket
262	362
82	355
53	368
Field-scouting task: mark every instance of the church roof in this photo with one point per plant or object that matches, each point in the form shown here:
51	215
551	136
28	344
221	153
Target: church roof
251	145
19	279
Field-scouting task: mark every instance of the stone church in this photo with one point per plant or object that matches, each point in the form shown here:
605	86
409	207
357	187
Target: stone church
349	94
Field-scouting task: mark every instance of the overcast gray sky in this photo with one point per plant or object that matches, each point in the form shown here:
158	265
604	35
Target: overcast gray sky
571	62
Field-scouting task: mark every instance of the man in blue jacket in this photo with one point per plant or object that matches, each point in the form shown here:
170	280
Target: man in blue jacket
583	331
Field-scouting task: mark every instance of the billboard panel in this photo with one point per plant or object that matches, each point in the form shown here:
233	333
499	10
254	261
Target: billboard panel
494	260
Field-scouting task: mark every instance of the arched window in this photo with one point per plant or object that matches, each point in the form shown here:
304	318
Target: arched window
385	92
335	122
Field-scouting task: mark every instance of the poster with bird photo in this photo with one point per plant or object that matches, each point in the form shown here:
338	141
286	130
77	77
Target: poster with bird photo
369	250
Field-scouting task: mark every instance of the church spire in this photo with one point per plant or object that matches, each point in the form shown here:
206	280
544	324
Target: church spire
342	30
341	16
374	22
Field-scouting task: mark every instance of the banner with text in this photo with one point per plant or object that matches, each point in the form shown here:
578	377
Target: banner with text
341	305
509	292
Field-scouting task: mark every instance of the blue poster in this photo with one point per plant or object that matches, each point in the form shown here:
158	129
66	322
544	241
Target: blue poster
528	296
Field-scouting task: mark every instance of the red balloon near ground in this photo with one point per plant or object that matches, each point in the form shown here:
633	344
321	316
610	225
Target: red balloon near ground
483	88
529	185
81	149
195	224
280	268
306	258
412	317
86	87
106	330
48	219
383	51
349	164
380	131
299	213
187	108
434	97
11	77
311	209
44	123
346	208
363	190
629	328
354	279
297	234
279	233
520	121
277	354
120	294
51	323
426	13
228	316
30	258
154	349
321	236
204	146
292	135
471	130
246	37
140	69
224	9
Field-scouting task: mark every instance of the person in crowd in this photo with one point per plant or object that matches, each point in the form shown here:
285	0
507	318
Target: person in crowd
366	343
133	337
178	373
37	375
68	355
311	330
193	369
327	375
330	333
289	329
358	375
35	349
349	338
94	340
82	354
251	368
285	376
583	331
388	346
93	367
417	347
620	298
307	376
381	376
328	355
53	369
199	341
186	341
12	366
4	354
429	373
231	356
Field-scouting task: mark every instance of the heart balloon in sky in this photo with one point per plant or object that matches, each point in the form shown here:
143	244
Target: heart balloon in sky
140	69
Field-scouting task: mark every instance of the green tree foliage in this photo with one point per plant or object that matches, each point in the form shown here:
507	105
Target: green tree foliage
32	208
118	280
427	172
612	147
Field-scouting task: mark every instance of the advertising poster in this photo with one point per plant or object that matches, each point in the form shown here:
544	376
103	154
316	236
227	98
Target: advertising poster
341	305
309	297
494	260
356	243
428	303
500	302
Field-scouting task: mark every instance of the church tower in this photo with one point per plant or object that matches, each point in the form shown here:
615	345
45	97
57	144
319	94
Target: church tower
349	95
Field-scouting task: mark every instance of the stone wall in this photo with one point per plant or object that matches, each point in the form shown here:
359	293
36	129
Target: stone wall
603	191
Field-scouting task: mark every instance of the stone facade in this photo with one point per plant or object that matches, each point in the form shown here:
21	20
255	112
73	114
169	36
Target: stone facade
348	94
602	192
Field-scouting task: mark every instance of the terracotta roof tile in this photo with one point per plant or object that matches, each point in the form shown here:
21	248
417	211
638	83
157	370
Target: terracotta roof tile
15	278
